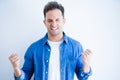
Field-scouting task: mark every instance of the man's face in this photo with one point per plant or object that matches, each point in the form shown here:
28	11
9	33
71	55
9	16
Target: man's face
54	22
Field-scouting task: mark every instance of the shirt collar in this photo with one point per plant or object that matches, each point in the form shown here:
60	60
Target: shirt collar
45	38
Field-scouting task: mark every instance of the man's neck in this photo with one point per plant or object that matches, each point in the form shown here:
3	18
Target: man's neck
56	38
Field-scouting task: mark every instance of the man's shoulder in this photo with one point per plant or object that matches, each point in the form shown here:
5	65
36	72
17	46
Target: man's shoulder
72	40
38	42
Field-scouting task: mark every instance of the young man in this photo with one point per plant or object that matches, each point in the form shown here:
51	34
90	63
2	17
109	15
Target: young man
55	56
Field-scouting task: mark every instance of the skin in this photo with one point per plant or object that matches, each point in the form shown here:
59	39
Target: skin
15	61
54	22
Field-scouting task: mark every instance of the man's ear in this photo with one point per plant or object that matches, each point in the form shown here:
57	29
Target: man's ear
44	22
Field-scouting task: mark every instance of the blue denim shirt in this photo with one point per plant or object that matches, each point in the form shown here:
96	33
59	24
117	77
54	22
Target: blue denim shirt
37	60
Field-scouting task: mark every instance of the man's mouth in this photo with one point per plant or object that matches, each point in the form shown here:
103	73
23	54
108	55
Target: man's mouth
54	28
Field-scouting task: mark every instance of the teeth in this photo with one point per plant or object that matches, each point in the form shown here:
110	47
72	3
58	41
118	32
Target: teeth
54	28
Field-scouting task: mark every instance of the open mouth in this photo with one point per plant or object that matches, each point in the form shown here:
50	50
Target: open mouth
54	28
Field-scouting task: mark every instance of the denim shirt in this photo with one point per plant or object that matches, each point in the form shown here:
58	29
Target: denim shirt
37	60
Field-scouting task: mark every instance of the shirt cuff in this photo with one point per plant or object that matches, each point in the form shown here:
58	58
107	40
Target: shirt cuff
86	74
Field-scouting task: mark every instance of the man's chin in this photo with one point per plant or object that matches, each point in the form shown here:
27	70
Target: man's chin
55	34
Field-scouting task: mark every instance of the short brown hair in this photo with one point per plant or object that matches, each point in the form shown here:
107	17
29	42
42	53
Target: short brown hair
53	5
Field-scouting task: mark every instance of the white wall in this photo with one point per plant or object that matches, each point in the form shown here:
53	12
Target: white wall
95	23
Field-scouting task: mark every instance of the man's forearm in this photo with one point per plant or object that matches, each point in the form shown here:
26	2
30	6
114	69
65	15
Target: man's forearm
17	72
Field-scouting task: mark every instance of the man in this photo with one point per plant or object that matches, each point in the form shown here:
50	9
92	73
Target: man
56	56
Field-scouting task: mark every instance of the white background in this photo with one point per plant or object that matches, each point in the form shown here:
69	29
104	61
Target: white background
95	23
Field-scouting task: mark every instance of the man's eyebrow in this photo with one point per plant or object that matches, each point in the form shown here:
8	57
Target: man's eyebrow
52	19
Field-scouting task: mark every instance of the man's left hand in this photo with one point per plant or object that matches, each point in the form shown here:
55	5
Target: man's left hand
86	57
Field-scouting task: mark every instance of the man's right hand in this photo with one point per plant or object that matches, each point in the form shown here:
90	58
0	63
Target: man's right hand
15	61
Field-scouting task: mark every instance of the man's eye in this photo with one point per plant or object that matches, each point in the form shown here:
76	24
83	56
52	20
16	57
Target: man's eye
57	20
49	20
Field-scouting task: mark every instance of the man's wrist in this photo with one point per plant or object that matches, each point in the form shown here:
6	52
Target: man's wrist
86	68
17	72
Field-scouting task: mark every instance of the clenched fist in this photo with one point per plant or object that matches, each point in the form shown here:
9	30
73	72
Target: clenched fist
86	57
15	61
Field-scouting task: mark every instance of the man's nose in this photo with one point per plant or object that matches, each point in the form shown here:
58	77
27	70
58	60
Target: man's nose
53	23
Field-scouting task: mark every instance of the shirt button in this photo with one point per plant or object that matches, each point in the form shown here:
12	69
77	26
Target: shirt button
82	74
46	72
48	49
47	61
